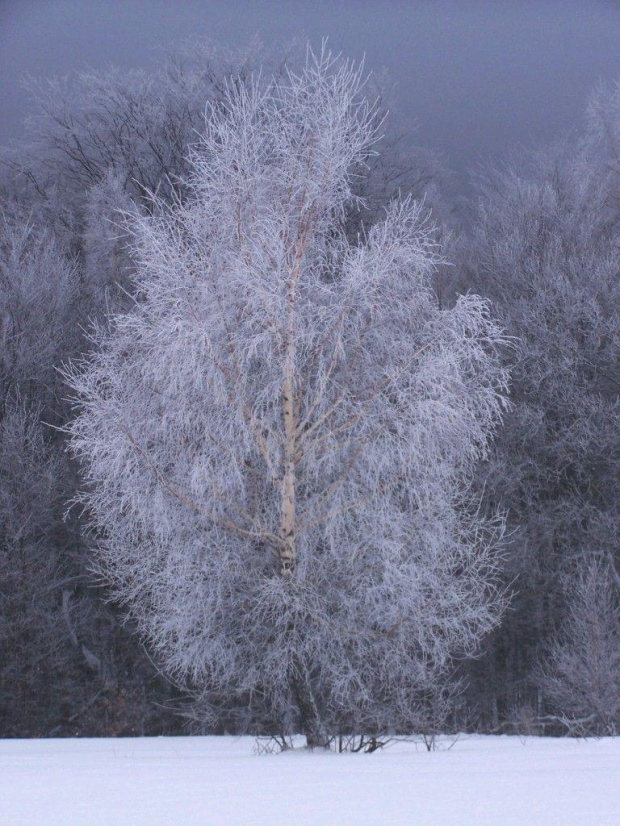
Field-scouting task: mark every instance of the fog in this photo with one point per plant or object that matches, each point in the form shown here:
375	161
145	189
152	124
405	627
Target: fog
474	78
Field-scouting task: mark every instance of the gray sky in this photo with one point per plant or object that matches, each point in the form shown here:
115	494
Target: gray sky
477	77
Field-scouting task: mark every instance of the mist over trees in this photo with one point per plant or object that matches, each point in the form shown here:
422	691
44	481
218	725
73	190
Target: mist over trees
396	372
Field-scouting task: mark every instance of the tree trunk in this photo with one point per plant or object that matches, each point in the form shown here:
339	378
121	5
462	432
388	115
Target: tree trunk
301	685
311	722
288	525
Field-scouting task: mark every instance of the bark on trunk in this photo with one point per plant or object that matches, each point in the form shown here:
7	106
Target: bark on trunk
288	525
287	529
311	722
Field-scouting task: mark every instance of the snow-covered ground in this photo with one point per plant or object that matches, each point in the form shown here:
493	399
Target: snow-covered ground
207	781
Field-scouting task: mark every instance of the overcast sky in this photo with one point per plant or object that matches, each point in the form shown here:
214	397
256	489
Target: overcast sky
477	77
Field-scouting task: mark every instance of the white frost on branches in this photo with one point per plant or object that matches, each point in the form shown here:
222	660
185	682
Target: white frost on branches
278	438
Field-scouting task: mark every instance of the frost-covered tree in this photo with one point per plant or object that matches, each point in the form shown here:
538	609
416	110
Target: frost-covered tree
581	670
93	133
38	288
545	248
278	437
34	648
63	656
38	296
133	125
107	264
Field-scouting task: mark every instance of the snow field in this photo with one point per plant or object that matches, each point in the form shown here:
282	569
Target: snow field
220	781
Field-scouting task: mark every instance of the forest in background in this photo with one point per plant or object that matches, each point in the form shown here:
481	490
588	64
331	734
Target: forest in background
539	239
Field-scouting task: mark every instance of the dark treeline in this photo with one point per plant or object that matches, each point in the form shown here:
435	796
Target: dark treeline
541	241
